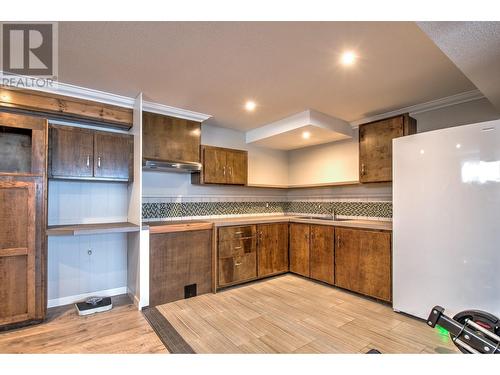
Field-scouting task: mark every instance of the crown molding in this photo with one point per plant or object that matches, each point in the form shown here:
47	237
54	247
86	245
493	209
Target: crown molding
163	109
432	105
85	93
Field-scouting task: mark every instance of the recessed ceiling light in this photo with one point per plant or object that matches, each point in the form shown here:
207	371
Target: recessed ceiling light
458	145
306	135
250	105
348	58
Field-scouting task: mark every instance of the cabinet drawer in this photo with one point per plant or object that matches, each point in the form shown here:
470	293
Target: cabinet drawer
237	269
237	247
236	233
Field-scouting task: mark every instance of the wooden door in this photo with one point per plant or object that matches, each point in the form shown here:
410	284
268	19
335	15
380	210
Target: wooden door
375	264
347	258
113	156
272	249
71	152
322	253
214	165
17	251
177	260
170	138
237	167
299	249
375	148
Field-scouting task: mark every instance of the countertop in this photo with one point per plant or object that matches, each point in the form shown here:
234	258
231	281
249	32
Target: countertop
190	225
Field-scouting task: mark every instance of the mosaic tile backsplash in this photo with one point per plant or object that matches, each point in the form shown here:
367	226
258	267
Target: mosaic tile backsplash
171	210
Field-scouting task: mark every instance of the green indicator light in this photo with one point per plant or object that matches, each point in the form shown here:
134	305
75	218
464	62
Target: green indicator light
442	330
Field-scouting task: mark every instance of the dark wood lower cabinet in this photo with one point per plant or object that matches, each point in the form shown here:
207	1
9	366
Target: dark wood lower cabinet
322	253
178	260
299	249
272	249
363	262
237	260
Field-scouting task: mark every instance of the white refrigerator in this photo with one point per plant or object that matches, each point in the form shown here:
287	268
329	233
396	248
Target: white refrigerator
446	224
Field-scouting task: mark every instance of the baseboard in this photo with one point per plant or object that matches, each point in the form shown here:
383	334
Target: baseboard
79	297
134	298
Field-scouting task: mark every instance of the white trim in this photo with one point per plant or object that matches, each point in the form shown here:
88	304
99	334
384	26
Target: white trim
163	109
448	101
85	93
79	297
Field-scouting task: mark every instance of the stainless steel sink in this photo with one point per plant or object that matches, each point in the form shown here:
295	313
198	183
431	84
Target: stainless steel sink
328	218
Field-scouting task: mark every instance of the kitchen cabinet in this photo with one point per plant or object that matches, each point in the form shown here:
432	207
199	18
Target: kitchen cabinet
375	146
23	253
363	262
312	251
170	138
237	254
77	153
299	249
272	249
180	265
222	166
322	253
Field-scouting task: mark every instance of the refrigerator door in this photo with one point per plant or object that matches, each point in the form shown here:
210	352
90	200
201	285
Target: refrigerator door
446	228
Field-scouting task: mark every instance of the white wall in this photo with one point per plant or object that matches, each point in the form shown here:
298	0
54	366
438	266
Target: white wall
338	161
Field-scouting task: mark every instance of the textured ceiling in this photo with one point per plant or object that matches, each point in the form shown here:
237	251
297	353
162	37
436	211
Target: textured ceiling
474	47
286	67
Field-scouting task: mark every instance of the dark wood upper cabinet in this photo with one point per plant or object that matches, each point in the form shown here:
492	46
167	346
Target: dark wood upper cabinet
71	152
363	262
322	253
222	166
113	156
77	153
170	138
272	249
375	146
299	249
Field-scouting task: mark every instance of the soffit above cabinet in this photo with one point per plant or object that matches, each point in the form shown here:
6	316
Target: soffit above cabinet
302	129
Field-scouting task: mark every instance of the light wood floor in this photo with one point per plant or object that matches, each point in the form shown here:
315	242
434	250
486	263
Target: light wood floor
289	314
121	330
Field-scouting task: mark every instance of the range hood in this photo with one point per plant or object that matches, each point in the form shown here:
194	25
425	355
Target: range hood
170	166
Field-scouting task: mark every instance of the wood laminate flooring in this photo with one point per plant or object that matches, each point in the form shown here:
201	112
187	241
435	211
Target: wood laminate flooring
290	314
121	330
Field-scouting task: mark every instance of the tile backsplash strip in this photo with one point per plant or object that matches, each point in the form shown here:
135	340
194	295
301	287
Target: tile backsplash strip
176	209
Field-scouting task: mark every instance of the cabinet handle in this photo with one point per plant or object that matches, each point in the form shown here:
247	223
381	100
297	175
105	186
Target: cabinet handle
230	171
362	169
239	232
338	241
237	248
88	161
237	264
224	171
98	162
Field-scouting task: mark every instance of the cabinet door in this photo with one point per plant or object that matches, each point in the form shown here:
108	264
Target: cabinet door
375	149
214	165
237	167
375	264
299	249
322	253
347	258
113	156
71	152
170	138
17	251
177	260
272	249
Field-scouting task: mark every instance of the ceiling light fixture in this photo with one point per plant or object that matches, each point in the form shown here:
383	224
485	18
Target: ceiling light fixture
306	135
348	58
250	105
